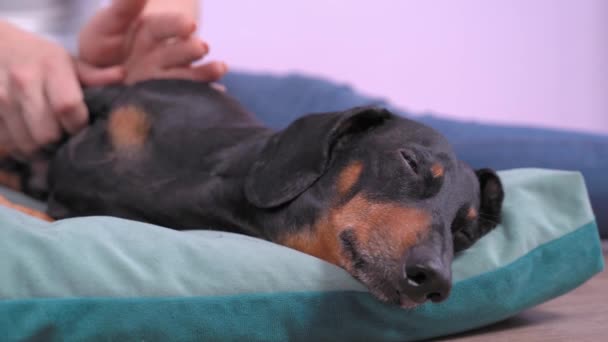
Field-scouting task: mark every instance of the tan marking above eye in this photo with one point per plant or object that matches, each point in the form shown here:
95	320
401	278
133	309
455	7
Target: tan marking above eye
437	170
472	213
128	127
386	229
349	177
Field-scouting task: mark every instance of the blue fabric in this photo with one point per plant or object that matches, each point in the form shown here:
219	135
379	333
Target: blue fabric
278	100
309	316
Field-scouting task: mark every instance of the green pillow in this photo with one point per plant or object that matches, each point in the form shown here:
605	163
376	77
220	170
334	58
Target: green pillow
101	278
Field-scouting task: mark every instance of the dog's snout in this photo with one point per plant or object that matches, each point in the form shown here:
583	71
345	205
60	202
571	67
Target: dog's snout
426	277
424	282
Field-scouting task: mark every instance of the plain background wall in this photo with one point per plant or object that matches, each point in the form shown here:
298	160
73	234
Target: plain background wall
539	62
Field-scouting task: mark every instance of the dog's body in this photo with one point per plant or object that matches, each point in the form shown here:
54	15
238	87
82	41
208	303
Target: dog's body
187	164
382	196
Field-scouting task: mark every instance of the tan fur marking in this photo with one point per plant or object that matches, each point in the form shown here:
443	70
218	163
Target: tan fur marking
437	170
25	210
128	127
389	227
472	213
349	177
321	243
10	180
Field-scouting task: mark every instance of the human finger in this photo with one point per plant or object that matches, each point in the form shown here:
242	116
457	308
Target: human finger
65	97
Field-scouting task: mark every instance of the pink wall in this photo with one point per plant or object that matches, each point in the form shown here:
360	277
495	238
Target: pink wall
541	62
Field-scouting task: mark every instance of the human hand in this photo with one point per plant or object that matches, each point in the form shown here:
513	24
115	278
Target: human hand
40	90
149	45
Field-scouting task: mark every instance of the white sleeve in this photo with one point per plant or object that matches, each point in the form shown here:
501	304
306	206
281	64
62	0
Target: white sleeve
57	20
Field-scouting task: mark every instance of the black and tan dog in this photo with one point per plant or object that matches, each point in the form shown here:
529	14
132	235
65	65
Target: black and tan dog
382	196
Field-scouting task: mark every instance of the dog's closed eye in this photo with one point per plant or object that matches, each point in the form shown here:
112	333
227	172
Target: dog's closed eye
410	161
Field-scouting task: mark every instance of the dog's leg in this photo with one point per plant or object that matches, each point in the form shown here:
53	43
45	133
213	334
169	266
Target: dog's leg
10	180
9	176
28	211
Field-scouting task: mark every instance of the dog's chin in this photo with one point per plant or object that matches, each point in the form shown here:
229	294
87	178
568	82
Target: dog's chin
386	292
408	304
395	298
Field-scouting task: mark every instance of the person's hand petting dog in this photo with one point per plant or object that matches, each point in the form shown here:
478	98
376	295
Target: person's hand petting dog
151	39
40	91
128	41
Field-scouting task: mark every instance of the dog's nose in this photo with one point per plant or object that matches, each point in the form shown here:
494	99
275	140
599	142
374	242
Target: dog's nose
426	277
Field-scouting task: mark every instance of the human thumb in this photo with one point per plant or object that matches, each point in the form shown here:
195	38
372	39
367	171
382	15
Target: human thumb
93	76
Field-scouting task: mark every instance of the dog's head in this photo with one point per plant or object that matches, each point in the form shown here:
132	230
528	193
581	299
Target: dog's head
382	196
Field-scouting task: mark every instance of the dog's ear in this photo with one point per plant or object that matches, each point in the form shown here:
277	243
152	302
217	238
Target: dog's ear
492	196
296	157
490	208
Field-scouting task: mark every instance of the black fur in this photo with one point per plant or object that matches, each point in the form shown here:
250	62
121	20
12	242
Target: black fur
208	163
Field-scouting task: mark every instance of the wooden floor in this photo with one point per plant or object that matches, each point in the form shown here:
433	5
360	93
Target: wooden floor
581	316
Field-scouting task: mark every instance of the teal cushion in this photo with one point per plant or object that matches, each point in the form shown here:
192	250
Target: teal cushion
101	278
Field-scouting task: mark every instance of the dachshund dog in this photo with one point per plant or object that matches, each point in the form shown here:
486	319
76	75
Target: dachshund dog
381	196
